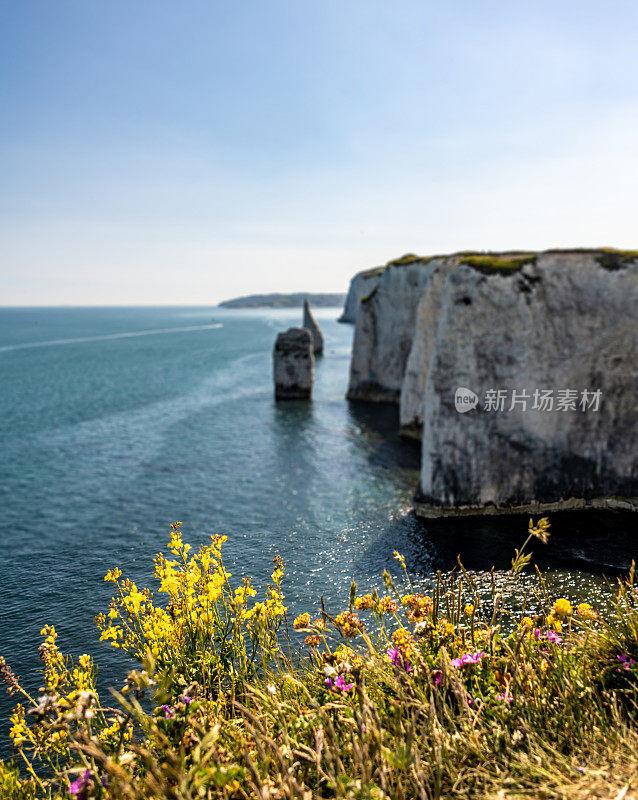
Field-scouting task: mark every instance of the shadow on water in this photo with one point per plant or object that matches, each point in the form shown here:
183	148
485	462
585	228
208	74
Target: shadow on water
294	427
379	423
592	542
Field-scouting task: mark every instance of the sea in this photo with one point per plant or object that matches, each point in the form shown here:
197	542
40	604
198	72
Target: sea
117	422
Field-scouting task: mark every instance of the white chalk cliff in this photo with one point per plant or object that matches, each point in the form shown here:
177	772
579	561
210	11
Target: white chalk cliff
384	331
557	320
360	286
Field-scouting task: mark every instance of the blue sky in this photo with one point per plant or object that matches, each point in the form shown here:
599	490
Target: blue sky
185	152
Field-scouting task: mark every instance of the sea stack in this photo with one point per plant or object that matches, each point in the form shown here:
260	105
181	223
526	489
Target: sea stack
294	364
310	323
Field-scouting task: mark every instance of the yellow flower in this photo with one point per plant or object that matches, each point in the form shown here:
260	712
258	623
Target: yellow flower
585	611
243	592
398	557
319	624
274	595
19	730
447	628
554	623
403	640
387	605
419	605
540	530
364	603
562	608
302	621
407	599
312	641
526	622
349	623
468	610
346	655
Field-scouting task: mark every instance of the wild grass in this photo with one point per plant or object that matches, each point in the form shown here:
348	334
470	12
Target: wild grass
408	258
509	262
375	272
395	695
496	263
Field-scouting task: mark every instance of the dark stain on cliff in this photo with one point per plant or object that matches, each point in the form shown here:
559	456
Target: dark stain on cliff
613	260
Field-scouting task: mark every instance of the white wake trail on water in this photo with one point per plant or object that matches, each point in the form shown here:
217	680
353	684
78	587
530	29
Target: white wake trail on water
104	337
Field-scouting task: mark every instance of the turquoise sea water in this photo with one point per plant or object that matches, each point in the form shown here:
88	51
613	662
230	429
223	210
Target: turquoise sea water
116	422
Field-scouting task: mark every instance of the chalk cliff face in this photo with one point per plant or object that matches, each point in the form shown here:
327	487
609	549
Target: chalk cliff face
559	320
423	345
384	331
360	286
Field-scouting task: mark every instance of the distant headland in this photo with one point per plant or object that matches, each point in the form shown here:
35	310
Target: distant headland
285	300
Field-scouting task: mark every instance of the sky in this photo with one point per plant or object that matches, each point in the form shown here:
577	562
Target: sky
156	152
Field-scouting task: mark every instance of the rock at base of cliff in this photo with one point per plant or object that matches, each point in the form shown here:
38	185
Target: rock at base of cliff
424	510
310	323
294	364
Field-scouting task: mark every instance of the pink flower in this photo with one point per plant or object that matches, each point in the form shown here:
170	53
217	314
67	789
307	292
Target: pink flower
554	637
397	659
506	697
339	684
78	788
467	658
437	675
168	712
625	662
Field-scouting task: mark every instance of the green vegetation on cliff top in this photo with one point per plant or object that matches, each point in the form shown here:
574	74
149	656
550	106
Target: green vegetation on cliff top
508	262
494	263
408	258
373	273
